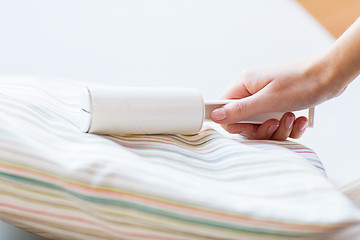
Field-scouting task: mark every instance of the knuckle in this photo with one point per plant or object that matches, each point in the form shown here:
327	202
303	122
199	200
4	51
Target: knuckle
235	111
238	107
241	108
245	74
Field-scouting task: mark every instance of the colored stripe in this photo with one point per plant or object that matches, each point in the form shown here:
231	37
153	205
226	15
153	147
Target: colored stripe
139	186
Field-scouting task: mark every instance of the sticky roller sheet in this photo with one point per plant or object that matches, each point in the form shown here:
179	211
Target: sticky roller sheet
136	110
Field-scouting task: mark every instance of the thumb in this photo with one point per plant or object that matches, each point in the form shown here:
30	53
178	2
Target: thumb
240	110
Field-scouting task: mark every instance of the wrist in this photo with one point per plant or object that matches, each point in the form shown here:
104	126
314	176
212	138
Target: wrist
328	76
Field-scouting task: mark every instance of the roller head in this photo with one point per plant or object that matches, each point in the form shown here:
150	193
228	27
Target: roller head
126	110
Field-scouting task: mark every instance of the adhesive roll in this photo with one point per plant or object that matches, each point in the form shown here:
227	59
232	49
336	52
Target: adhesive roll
133	110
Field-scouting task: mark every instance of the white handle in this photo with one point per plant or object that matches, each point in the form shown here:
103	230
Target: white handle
256	119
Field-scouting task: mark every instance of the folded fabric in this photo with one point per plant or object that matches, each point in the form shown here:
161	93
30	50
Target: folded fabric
64	184
352	191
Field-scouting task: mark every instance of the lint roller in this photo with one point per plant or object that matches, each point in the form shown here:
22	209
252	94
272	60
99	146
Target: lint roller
140	110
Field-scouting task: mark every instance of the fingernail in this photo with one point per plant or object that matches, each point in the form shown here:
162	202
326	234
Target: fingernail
302	125
289	121
247	134
218	114
272	129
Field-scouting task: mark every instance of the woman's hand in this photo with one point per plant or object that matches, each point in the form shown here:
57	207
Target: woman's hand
290	87
282	89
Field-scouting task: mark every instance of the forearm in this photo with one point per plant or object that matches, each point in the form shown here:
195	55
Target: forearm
340	64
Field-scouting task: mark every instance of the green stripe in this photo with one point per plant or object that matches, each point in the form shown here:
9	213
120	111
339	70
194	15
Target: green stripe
157	211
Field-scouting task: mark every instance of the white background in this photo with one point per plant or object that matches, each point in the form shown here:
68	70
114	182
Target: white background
187	43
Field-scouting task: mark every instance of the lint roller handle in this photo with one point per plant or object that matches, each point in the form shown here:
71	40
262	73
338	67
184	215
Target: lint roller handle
255	119
136	110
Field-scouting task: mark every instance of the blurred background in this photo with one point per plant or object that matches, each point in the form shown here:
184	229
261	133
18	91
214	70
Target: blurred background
202	44
189	43
335	15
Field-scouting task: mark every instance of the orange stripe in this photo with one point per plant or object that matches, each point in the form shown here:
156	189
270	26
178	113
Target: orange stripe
161	202
78	219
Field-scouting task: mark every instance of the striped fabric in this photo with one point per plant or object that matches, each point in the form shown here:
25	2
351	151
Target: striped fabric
63	184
